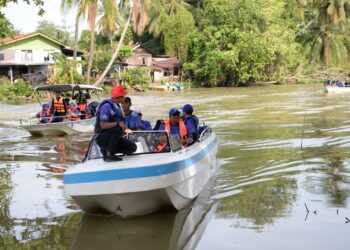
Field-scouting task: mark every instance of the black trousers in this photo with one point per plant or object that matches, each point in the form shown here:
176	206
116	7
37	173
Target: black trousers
112	140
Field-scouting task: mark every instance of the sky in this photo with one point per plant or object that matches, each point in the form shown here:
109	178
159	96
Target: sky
25	17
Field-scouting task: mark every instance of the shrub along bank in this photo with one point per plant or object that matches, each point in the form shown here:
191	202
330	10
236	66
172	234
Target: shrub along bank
19	90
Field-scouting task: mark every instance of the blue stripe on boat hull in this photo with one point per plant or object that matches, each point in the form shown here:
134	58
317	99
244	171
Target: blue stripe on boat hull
139	172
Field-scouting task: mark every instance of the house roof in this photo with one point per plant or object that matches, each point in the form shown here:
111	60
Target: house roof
170	62
139	46
18	37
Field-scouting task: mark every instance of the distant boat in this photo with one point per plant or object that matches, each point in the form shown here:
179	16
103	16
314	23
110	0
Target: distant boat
36	128
146	181
337	89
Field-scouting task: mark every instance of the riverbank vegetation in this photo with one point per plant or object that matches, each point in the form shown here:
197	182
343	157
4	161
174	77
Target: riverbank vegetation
19	90
220	42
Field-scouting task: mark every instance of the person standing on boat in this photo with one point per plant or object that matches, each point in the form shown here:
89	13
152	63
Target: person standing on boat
131	118
110	127
176	127
191	121
58	108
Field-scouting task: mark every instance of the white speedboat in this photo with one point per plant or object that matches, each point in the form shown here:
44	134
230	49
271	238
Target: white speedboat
146	181
336	89
68	127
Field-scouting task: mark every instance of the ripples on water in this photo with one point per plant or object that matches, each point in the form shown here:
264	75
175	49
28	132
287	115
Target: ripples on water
282	149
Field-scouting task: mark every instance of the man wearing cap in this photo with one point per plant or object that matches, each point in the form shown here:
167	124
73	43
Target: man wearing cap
146	125
131	118
191	121
110	127
176	127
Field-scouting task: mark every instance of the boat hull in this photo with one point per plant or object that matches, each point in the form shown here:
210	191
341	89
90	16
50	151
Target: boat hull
61	128
337	90
146	189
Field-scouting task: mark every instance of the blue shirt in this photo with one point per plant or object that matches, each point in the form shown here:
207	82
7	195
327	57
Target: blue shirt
133	121
146	125
191	126
108	114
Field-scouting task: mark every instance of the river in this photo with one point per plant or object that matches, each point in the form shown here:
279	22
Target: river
282	182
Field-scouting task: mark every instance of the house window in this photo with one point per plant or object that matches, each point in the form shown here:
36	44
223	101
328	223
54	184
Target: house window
2	57
27	55
48	55
143	61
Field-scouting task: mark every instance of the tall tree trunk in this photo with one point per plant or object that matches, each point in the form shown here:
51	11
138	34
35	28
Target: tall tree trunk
76	33
116	52
92	22
325	50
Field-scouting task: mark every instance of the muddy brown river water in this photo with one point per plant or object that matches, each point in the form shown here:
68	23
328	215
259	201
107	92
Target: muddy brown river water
283	151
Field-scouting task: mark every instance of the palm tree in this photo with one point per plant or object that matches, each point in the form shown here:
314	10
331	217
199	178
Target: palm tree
324	28
139	14
146	12
65	6
109	20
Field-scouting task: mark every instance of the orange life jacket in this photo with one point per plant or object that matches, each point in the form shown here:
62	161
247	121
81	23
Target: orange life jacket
58	105
48	113
161	147
182	128
82	107
73	116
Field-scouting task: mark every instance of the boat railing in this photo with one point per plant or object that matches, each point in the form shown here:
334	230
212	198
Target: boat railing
204	133
36	120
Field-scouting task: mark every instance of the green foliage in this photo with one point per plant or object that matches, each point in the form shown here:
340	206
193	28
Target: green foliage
176	31
59	32
137	76
17	91
241	42
65	71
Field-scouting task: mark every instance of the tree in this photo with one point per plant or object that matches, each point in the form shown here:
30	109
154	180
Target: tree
6	28
325	30
65	71
60	33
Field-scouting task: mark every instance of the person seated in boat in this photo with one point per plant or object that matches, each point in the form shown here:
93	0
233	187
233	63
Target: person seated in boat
162	144
131	118
191	121
340	84
58	108
175	126
145	125
45	114
110	127
74	112
91	109
81	100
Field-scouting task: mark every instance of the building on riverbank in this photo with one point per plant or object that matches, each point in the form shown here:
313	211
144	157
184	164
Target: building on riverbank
161	67
30	55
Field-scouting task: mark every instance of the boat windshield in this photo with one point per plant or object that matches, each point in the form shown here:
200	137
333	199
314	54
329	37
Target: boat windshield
148	142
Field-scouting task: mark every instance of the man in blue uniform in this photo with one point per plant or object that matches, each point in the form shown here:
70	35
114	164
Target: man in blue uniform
110	127
191	121
176	127
131	119
146	125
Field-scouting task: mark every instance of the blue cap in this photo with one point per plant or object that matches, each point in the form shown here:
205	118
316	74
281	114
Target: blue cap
187	108
174	111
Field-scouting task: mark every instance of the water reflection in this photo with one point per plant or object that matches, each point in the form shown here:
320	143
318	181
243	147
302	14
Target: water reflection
167	230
